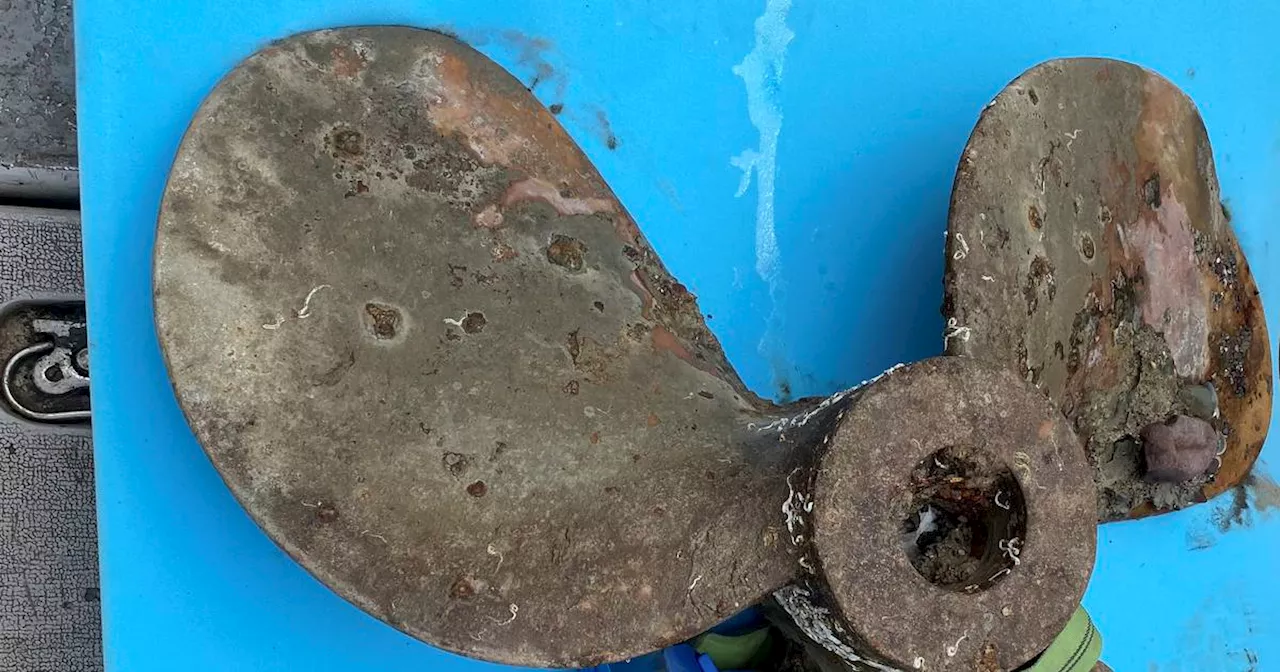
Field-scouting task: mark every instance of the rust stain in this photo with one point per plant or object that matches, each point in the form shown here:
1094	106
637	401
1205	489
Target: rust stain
1175	301
1249	414
663	339
534	189
506	126
465	108
503	252
626	228
1160	253
1165	201
488	218
1168	124
646	297
383	320
347	62
988	659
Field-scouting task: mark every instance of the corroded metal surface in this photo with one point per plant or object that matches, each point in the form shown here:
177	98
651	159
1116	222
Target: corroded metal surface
438	363
944	427
1088	248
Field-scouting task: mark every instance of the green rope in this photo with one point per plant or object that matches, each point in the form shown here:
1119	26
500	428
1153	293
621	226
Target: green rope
1076	649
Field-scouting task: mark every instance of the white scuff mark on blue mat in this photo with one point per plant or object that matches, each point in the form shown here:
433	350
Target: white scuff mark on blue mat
761	72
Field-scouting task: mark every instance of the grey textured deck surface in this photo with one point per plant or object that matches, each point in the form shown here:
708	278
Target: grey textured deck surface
49	595
49	599
37	101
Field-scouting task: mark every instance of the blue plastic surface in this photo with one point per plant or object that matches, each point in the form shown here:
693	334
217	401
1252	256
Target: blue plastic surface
823	272
682	658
